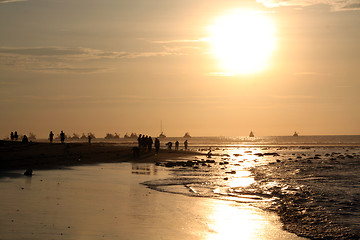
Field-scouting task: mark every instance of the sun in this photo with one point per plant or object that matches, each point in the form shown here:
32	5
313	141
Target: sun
242	41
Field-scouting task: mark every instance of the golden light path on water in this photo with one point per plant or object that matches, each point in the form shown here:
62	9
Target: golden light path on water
239	221
242	41
229	222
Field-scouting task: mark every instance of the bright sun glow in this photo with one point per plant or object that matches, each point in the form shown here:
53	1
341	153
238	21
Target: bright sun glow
242	41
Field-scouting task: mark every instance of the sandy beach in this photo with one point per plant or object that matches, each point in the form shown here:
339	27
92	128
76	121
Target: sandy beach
108	201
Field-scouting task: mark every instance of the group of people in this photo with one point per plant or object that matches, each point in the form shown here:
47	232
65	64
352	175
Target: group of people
62	137
14	136
169	145
146	143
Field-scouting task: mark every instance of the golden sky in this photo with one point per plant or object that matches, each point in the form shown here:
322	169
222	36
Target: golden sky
126	65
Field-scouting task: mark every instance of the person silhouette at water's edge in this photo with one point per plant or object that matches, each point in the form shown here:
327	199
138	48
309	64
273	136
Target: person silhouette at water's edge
51	136
62	137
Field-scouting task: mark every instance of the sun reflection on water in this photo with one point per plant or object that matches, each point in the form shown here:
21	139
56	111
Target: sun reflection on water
242	178
230	222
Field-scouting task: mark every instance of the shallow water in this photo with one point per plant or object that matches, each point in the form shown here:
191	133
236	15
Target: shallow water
108	202
315	189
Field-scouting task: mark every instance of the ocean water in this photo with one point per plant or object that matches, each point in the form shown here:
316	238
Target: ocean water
311	182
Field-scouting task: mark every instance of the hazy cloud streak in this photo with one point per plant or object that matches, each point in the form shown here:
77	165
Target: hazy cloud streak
11	1
183	41
59	59
125	99
336	4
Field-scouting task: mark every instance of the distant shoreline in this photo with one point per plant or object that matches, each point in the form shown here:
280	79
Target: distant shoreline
15	155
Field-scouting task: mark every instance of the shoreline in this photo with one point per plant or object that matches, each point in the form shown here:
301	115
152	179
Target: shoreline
16	155
109	202
294	210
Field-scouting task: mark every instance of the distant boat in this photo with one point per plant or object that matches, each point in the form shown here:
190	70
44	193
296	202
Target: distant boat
295	134
251	134
132	135
187	135
162	135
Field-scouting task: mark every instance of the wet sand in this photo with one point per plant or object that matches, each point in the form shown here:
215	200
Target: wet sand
107	201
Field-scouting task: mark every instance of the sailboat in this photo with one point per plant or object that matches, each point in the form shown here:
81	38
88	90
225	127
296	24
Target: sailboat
187	135
251	134
295	134
162	135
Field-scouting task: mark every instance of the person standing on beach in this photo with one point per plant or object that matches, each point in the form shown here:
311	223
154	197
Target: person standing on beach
186	144
89	138
16	136
139	142
150	143
62	137
12	136
176	145
25	139
51	136
157	145
143	142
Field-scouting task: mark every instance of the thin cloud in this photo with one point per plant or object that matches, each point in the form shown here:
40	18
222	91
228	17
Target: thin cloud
337	5
181	41
42	51
60	59
11	1
124	99
85	53
293	97
71	69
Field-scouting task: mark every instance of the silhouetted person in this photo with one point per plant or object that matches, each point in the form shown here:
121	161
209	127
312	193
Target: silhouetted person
89	138
209	154
51	136
150	143
143	141
157	145
16	136
62	137
12	136
176	145
186	144
139	141
25	139
169	144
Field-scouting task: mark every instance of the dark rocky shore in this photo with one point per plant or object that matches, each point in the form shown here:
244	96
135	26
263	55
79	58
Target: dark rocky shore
309	202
